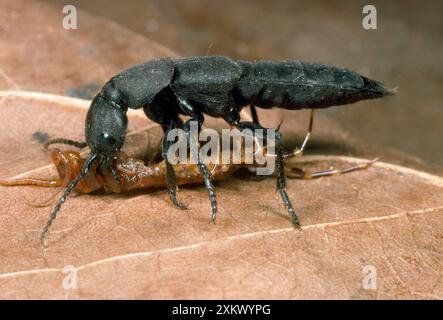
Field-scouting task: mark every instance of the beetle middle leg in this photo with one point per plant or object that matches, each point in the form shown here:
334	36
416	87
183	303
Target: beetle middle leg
254	114
197	117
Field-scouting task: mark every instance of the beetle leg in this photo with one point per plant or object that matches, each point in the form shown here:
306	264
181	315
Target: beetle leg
281	181
197	116
203	169
254	114
170	174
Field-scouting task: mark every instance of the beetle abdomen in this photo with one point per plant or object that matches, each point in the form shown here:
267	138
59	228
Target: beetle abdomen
298	85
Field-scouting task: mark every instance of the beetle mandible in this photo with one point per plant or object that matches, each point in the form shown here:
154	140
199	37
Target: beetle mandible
216	86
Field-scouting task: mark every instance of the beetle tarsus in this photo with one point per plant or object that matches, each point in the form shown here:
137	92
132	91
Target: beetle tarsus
170	174
206	175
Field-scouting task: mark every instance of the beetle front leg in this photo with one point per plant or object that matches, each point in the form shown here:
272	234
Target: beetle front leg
254	114
170	174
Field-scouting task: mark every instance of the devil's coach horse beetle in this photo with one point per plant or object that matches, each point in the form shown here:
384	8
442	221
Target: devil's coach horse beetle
219	87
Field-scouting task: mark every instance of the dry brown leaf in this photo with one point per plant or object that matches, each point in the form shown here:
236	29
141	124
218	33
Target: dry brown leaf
139	246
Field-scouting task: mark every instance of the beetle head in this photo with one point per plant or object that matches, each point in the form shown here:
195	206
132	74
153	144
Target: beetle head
106	125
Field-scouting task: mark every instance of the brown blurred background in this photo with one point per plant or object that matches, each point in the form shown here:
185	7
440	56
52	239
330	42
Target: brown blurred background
403	52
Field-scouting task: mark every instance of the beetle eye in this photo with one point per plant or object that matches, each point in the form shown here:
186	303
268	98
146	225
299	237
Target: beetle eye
109	140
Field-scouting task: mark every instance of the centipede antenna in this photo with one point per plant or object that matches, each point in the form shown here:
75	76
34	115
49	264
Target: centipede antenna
65	141
311	124
279	125
209	48
299	151
31	182
69	189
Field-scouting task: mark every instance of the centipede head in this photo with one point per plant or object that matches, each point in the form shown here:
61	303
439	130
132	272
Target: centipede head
68	163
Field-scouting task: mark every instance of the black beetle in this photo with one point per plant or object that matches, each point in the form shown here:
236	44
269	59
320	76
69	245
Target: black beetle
219	87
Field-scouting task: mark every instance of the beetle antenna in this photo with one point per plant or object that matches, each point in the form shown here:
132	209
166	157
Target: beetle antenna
65	141
69	189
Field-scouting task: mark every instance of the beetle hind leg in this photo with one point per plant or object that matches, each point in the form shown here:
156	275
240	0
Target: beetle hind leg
281	181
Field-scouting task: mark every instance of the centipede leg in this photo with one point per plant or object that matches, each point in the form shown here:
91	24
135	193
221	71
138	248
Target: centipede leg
298	173
298	152
32	182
